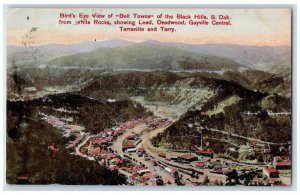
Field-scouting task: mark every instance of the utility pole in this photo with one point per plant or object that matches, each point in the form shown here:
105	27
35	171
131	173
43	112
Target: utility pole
201	141
201	136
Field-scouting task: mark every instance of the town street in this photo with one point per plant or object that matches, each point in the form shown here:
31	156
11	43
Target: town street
77	148
143	133
117	147
146	144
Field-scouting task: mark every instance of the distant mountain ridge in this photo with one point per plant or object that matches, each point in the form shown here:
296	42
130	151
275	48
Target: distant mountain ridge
51	51
243	54
282	66
146	56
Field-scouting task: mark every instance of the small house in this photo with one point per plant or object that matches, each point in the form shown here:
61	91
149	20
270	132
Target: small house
205	153
280	165
188	157
270	172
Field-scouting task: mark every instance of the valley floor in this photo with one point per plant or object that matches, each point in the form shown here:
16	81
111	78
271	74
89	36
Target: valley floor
144	164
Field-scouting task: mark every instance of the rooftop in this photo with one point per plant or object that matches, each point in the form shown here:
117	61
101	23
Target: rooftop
188	156
270	170
204	152
283	163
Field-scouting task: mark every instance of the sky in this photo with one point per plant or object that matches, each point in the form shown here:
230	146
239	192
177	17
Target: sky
270	27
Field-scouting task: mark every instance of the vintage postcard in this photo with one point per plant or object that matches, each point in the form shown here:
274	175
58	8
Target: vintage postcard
149	97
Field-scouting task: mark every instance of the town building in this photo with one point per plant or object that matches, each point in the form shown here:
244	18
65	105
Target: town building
270	172
188	157
205	153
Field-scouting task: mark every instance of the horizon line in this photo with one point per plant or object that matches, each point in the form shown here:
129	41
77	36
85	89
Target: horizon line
194	44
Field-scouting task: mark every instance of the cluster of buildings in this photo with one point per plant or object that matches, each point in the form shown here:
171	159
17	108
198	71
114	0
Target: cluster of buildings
140	175
158	123
280	168
281	158
67	129
99	148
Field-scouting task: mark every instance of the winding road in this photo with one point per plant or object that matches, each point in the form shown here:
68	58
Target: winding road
185	170
77	148
117	147
244	137
146	144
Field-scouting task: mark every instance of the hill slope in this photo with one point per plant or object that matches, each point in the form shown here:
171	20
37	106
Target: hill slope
25	55
145	56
